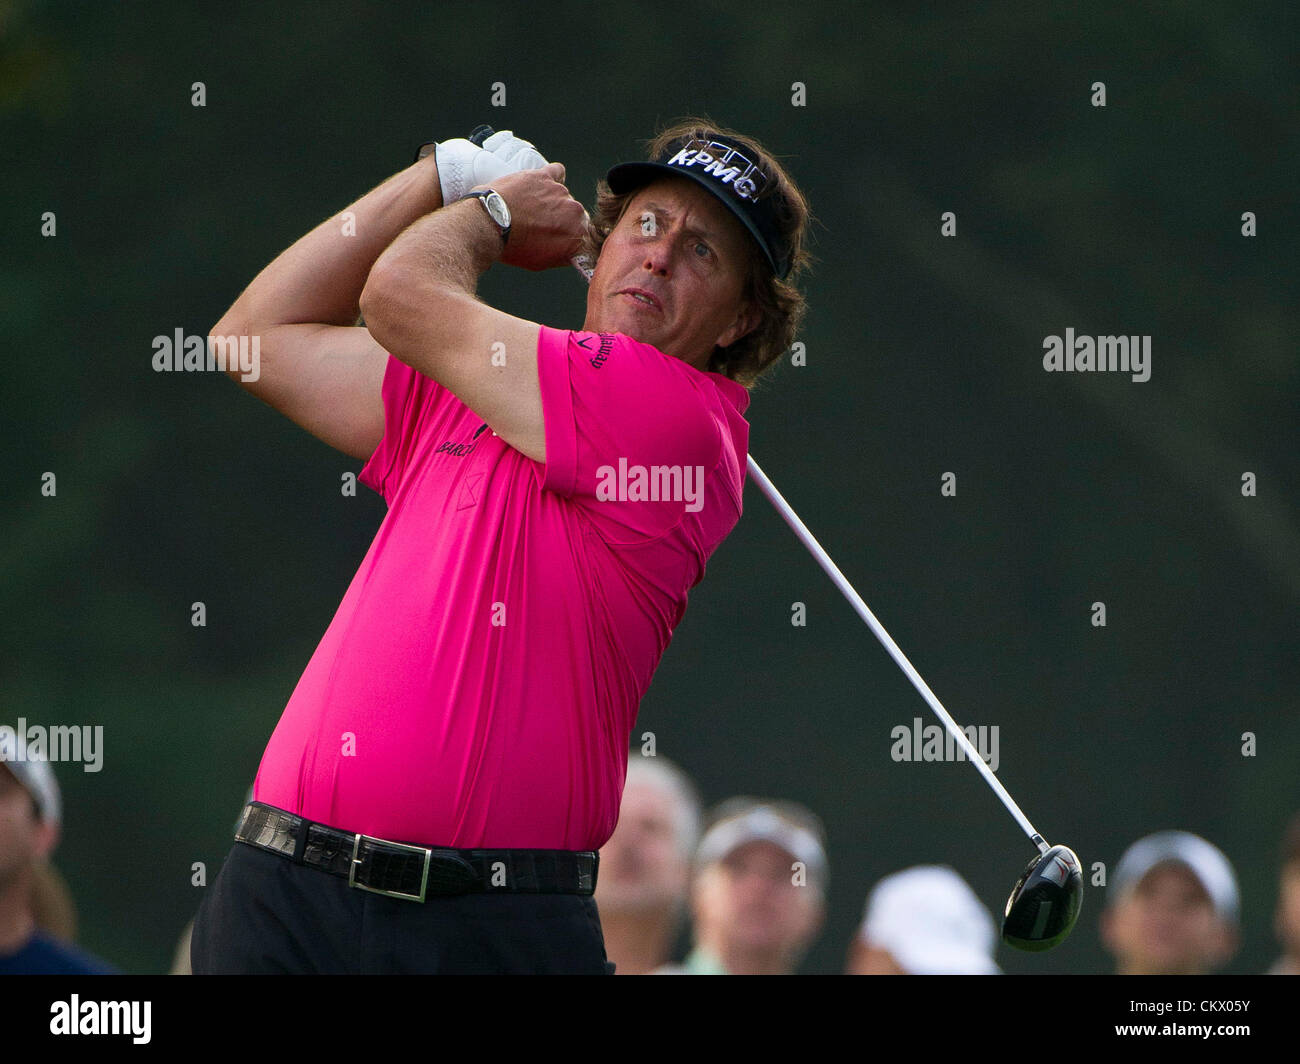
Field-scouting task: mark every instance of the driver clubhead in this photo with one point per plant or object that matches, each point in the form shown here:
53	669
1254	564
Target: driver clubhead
1044	903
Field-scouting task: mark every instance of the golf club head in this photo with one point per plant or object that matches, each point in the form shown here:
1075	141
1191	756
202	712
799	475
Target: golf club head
1045	901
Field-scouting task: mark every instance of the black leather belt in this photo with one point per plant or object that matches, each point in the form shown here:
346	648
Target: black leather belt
399	870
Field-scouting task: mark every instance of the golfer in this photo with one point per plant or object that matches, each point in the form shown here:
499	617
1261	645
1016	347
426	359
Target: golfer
453	756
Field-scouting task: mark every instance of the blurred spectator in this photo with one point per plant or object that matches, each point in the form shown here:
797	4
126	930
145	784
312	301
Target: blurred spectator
758	894
924	921
29	830
1172	908
1286	921
645	866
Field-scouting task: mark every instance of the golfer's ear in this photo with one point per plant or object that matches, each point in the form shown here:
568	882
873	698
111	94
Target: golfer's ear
747	320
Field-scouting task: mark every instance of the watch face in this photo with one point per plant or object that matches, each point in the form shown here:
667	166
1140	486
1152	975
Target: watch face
497	209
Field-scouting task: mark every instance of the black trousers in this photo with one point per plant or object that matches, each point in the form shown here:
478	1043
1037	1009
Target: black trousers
266	915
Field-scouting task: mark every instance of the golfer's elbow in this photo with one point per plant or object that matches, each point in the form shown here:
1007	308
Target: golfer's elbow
404	312
224	339
380	296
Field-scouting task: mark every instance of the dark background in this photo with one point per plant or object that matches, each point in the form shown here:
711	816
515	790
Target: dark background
923	356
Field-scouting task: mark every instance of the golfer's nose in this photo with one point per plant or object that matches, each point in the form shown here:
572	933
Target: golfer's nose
658	259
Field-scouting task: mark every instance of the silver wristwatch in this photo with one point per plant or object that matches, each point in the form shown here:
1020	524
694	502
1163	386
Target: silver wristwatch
496	209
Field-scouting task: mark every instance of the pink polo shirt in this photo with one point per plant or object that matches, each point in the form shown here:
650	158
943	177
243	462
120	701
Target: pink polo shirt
478	685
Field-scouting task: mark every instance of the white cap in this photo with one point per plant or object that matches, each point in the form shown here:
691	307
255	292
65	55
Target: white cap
37	778
763	823
1203	859
931	923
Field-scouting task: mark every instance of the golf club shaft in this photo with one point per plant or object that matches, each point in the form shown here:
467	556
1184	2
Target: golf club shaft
584	266
832	570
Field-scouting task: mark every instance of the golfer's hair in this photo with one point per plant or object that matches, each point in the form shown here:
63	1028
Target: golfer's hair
780	304
662	773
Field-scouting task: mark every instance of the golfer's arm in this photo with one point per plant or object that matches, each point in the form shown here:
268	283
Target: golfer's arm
435	264
420	304
317	367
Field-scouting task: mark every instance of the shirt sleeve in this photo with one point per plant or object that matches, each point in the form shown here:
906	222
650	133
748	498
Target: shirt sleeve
629	436
409	399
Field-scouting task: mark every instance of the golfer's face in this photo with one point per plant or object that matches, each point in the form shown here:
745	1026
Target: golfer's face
671	273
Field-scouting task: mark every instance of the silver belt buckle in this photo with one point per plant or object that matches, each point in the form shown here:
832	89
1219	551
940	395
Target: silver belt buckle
356	862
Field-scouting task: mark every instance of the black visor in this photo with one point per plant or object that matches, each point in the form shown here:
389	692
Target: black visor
727	172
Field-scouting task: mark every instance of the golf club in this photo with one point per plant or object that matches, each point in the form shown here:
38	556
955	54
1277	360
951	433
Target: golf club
1044	903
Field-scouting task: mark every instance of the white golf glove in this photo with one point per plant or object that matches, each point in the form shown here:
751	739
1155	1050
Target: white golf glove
462	165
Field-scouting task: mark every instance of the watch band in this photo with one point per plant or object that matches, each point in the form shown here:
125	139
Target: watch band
482	196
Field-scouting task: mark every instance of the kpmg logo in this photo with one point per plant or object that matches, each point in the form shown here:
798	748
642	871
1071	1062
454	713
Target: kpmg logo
724	163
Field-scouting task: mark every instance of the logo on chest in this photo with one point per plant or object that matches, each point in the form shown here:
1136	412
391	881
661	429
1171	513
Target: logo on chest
461	450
